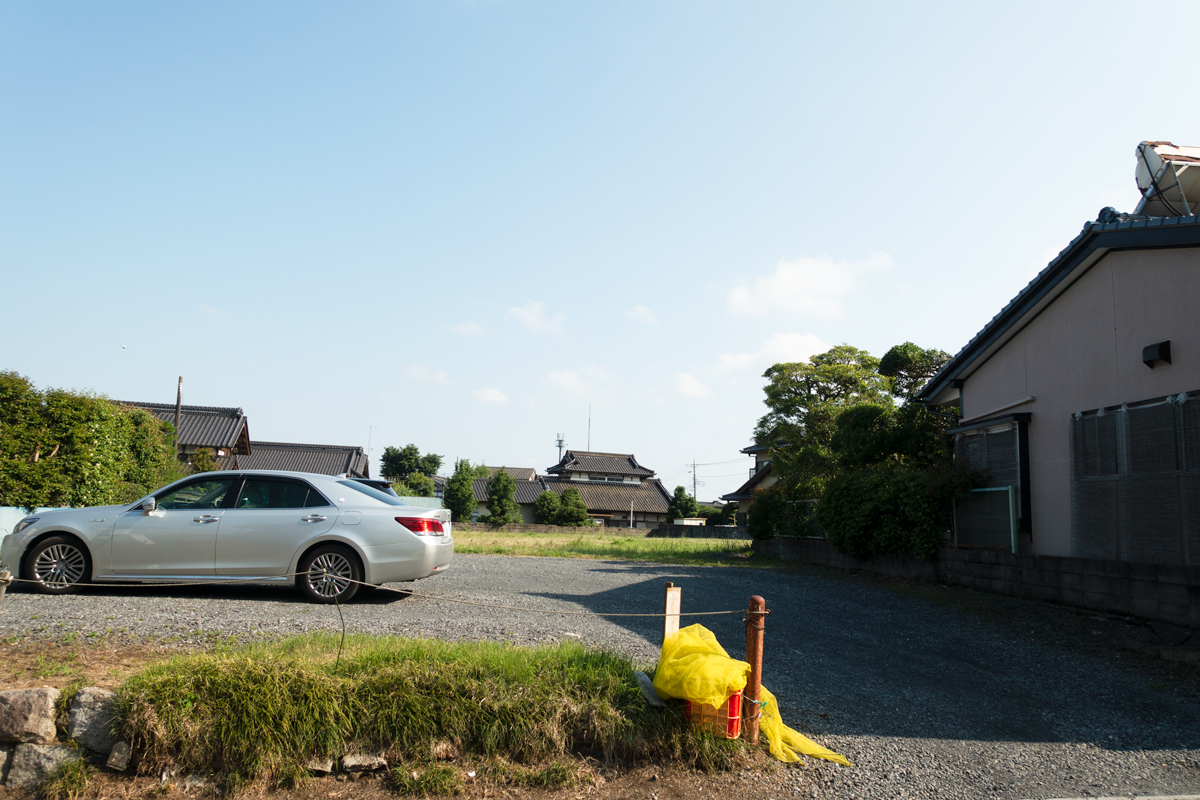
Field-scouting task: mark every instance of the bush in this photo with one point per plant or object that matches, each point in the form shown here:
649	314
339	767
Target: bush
767	517
460	492
502	499
547	509
573	511
891	509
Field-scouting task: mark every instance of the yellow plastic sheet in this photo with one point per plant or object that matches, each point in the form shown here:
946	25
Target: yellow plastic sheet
695	667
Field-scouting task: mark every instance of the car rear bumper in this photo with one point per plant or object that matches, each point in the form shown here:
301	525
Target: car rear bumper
389	563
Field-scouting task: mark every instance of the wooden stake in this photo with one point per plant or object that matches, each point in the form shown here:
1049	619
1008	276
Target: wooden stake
671	610
755	622
4	577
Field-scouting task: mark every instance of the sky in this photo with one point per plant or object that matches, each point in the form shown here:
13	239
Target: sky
462	225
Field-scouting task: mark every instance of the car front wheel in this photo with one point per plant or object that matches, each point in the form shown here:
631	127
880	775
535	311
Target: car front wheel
329	574
57	564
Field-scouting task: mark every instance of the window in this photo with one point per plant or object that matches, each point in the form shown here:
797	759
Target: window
203	493
390	499
1135	482
276	493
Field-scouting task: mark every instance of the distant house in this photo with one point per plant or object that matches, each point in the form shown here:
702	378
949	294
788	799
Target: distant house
226	431
326	459
612	486
223	430
762	475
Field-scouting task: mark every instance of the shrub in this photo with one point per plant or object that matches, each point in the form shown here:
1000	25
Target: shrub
547	509
572	510
502	499
890	509
767	517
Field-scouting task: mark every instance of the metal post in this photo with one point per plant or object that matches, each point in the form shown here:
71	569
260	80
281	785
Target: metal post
1012	518
671	610
756	619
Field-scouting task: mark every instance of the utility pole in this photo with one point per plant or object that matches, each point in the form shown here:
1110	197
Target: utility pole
589	427
370	430
694	480
178	410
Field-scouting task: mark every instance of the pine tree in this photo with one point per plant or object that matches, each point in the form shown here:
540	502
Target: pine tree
502	499
573	510
460	492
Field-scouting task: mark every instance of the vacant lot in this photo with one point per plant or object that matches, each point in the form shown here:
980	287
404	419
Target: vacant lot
929	691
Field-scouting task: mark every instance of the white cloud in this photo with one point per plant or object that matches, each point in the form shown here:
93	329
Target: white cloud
806	285
780	348
493	396
468	329
533	316
689	386
213	312
642	314
423	374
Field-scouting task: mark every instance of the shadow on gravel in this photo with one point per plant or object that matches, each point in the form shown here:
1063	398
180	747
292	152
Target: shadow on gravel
247	592
846	658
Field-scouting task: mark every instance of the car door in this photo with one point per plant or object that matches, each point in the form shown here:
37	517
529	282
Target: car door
179	537
269	520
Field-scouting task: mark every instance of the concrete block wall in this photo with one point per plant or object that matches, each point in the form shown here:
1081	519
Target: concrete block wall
1150	591
521	527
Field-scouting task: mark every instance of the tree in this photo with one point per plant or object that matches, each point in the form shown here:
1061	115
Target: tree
430	463
460	492
682	504
415	484
502	499
397	462
573	511
64	448
910	367
547	509
203	461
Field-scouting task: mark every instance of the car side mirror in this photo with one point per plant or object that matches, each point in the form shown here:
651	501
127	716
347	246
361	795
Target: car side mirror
149	505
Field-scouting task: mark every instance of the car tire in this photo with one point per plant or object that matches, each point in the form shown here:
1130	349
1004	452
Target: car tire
330	573
57	565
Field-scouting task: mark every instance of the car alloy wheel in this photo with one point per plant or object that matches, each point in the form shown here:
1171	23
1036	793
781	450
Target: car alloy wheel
57	565
330	574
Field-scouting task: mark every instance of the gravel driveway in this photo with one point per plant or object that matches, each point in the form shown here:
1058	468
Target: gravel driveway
925	700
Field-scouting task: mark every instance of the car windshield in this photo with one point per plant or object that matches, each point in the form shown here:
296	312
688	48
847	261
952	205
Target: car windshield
383	497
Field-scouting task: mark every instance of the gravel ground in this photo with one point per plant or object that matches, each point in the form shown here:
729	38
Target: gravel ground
925	700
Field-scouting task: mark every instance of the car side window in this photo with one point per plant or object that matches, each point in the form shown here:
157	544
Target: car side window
203	493
271	493
316	500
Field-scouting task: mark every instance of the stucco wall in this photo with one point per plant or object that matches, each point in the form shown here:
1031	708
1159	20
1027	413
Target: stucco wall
1084	351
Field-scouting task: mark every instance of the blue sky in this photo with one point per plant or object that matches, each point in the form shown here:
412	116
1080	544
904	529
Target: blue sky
461	223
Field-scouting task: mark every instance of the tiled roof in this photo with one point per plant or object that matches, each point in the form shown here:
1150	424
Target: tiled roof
517	473
601	498
600	463
204	426
746	490
527	491
325	459
1095	240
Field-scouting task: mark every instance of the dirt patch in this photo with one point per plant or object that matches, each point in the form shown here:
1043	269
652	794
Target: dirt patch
33	664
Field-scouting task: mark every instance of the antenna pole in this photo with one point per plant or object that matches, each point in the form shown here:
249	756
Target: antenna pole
560	442
693	479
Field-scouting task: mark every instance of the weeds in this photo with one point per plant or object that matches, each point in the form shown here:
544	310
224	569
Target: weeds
68	782
50	667
424	779
669	551
262	711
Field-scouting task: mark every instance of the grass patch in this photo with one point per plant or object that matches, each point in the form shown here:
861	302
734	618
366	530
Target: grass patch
55	667
68	782
707	552
262	711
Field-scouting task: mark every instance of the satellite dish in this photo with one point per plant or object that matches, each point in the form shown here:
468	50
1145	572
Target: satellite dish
1168	177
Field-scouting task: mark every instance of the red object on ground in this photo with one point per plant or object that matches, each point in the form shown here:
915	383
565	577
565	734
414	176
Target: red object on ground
724	721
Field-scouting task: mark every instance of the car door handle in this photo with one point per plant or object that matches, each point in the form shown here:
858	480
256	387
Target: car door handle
205	518
313	518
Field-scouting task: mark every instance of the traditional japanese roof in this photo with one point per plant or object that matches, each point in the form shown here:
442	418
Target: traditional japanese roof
325	459
204	426
517	473
746	490
527	491
1112	231
649	496
599	463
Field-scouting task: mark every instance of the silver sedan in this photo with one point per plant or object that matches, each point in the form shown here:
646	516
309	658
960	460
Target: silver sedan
327	534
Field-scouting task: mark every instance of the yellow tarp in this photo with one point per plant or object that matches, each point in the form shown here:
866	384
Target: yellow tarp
695	667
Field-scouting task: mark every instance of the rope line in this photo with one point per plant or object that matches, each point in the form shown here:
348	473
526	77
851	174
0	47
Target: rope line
260	579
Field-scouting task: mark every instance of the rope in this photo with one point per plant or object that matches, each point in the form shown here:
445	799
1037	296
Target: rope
260	579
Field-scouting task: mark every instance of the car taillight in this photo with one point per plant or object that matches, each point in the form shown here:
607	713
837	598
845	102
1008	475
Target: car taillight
422	525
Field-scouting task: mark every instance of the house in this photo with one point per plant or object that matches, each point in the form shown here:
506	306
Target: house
761	476
326	459
1081	397
613	486
226	432
223	430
